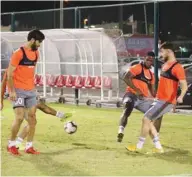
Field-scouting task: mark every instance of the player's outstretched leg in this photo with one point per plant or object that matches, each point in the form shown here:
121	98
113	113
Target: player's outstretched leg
48	110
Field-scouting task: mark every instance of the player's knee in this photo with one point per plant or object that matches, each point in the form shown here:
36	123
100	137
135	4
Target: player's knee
19	116
127	105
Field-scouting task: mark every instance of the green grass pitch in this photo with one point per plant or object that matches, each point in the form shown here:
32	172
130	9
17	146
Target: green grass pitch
93	150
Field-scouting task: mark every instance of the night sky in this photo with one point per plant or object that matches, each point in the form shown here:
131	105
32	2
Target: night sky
175	17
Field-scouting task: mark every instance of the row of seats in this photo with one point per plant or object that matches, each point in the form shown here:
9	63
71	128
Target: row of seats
73	81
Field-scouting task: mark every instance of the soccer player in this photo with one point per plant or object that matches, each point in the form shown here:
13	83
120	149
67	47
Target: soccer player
172	75
20	80
140	81
40	105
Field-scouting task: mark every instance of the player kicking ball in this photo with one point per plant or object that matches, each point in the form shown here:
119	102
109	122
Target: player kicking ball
40	105
140	81
172	75
47	110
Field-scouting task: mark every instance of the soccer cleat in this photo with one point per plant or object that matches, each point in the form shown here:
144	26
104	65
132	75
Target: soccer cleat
158	151
133	148
20	146
13	150
120	137
66	116
31	150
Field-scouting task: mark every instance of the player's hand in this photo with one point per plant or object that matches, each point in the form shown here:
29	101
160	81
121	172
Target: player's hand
13	96
180	99
1	106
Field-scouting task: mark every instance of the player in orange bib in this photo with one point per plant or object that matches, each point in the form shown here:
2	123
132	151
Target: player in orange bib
172	75
40	105
140	81
20	80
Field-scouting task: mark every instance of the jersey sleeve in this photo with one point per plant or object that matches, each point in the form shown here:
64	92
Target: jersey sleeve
179	72
16	57
135	70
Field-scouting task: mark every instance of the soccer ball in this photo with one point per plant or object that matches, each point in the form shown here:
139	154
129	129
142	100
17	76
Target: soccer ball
70	127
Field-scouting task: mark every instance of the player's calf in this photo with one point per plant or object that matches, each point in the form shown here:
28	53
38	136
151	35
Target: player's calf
128	108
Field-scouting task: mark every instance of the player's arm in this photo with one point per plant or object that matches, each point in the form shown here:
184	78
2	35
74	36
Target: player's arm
151	86
10	71
3	88
14	62
183	85
152	89
179	72
128	79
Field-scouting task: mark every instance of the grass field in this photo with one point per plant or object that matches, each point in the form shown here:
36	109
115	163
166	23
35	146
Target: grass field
93	150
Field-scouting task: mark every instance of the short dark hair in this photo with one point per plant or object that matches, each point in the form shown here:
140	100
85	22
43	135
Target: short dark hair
151	54
167	46
36	34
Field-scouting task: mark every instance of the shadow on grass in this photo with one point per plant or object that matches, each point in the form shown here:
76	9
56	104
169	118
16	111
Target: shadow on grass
171	154
93	146
50	167
80	146
175	155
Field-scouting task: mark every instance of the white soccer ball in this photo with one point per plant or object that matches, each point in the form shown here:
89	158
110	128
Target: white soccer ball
70	127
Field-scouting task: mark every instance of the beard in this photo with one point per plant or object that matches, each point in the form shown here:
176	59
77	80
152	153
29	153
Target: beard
147	67
33	47
166	59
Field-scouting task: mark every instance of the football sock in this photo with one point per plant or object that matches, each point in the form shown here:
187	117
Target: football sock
157	142
140	143
121	129
28	145
19	140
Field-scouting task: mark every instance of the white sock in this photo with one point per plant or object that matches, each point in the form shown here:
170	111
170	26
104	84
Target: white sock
28	145
19	140
121	129
140	143
11	143
157	142
60	114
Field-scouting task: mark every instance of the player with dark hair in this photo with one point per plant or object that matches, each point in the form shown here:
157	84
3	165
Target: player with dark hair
172	75
40	105
20	80
140	81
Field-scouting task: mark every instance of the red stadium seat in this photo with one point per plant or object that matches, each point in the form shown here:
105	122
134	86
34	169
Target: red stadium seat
36	79
107	82
60	81
50	80
69	81
40	80
77	82
87	82
97	82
